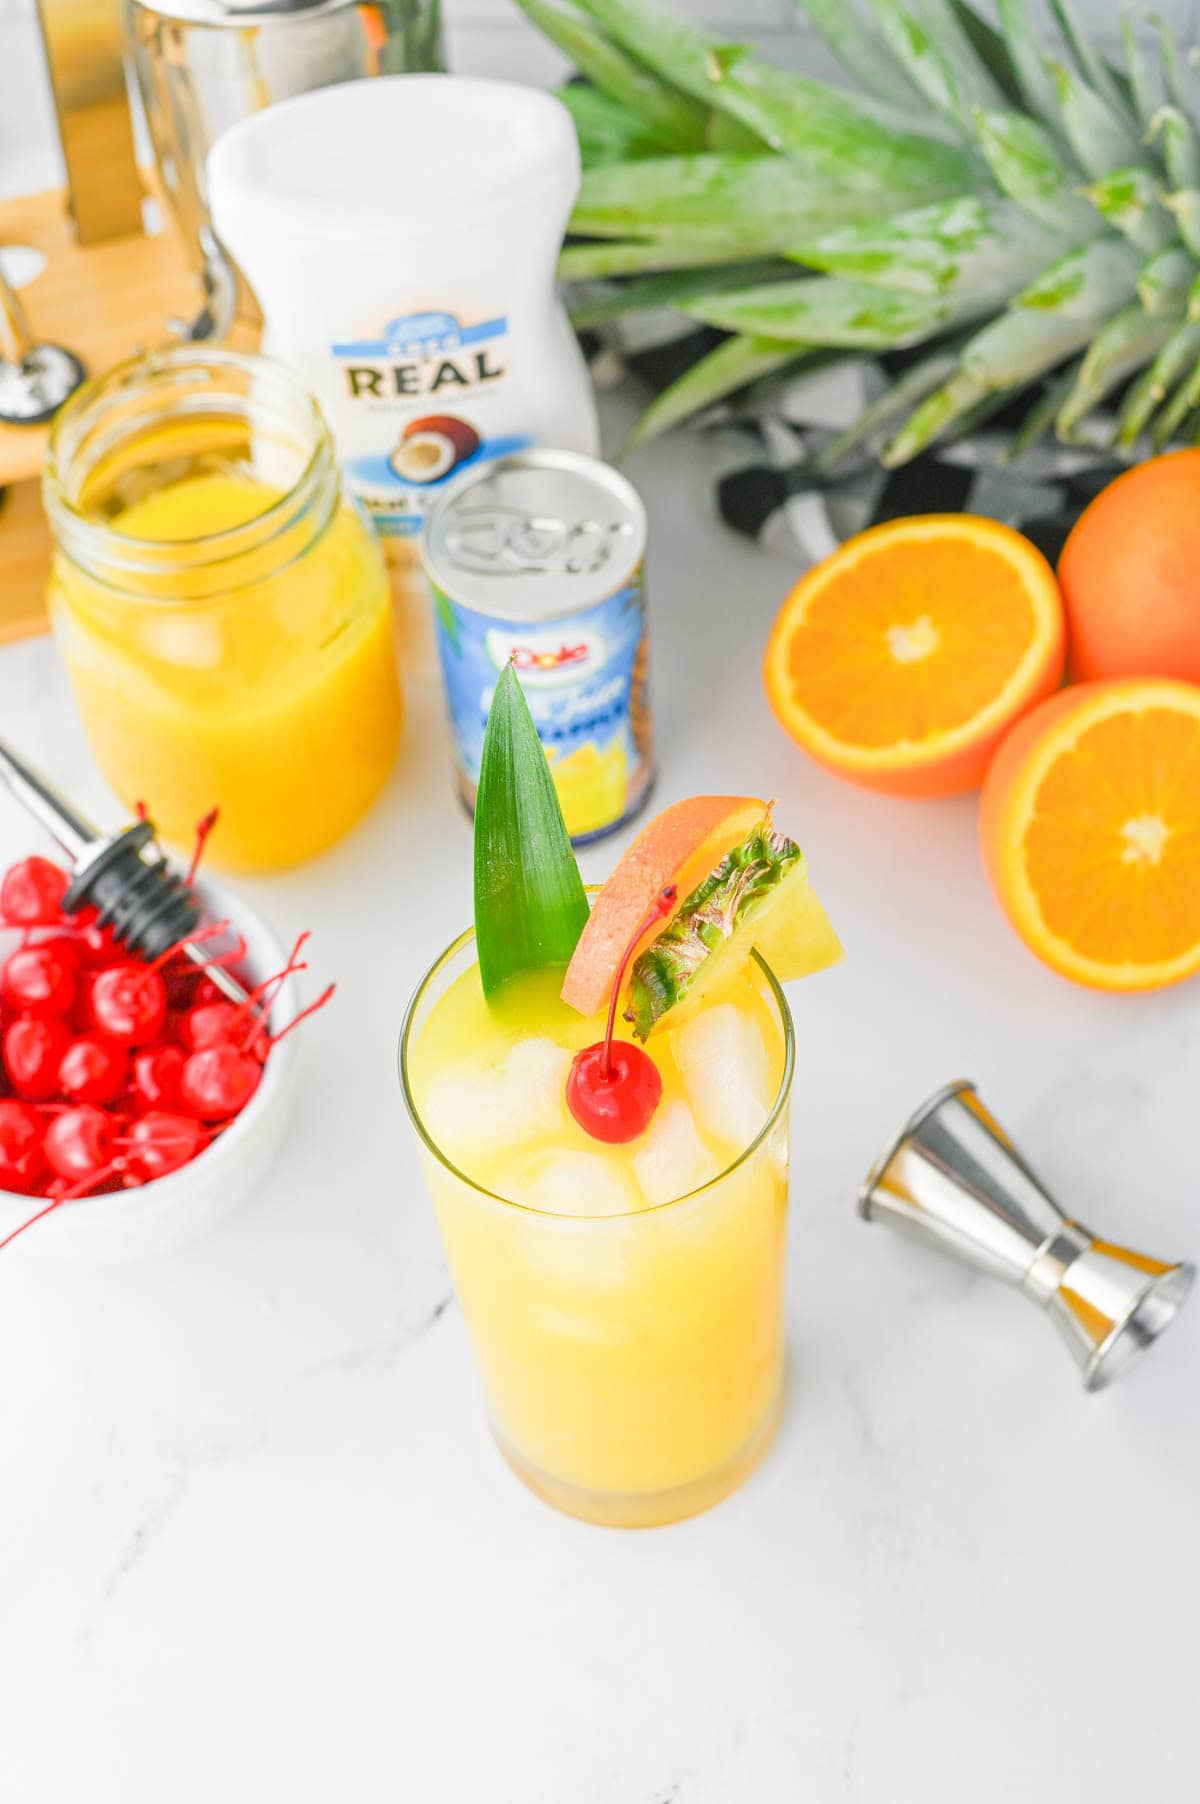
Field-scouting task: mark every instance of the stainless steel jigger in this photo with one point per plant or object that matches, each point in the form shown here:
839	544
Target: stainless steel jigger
953	1175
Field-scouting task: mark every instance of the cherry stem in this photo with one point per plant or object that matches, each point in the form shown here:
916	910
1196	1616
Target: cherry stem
203	829
68	1196
322	999
663	904
9	1238
213	931
257	999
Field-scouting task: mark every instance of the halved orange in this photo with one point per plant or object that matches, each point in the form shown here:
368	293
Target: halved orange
1090	827
902	660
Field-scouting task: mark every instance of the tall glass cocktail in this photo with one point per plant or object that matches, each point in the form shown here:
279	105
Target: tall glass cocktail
601	1099
625	1302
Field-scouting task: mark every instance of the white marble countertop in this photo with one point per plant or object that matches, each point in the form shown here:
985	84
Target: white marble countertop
255	1545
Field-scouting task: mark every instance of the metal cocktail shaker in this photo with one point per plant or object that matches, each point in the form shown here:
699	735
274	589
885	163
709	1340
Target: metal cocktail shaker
202	65
953	1176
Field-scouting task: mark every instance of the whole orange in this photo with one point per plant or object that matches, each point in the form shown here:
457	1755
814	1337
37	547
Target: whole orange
1130	574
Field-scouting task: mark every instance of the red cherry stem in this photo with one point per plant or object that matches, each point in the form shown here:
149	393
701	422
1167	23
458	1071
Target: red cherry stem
68	1196
322	999
257	999
663	904
9	1238
213	931
203	829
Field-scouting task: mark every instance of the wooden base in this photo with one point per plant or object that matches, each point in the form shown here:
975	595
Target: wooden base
24	562
104	302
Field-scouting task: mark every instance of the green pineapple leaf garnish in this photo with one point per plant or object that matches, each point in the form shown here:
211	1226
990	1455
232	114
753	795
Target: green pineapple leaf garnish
730	898
530	904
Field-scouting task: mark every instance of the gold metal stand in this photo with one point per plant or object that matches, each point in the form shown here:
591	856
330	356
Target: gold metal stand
85	46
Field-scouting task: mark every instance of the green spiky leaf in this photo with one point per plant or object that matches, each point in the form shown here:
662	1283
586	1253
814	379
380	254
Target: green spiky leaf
1091	65
607	131
1173	362
1173	74
530	904
906	393
1144	90
953	401
1176	411
669	288
989	46
973	245
850	140
1164	279
758	202
1028	163
1041	415
1029	62
859	53
675	119
1087	283
1128	198
827	311
722	372
1180	146
1184	207
1122	347
937	58
610	257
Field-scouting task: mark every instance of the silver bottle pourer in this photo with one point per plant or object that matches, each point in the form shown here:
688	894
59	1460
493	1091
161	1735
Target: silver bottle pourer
953	1175
122	875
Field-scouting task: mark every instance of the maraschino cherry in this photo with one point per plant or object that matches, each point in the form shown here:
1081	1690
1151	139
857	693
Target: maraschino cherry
613	1091
122	1071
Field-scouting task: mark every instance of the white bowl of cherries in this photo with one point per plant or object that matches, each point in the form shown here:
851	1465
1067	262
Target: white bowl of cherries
138	1106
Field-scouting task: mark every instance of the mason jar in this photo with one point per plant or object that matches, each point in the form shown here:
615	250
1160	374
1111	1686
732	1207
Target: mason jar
221	606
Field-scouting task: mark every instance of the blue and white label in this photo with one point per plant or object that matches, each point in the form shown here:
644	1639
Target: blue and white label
415	409
584	677
418	335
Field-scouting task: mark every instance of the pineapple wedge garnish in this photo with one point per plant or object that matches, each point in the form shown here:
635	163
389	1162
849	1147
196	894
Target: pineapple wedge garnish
759	899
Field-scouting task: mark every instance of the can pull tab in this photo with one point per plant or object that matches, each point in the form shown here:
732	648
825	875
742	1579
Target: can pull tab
498	540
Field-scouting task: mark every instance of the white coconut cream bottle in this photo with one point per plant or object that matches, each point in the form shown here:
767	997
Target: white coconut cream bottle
400	235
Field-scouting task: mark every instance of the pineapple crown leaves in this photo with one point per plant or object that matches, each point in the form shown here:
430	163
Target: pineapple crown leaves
1032	217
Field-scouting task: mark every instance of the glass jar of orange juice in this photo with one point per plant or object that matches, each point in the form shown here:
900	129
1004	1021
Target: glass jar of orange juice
222	608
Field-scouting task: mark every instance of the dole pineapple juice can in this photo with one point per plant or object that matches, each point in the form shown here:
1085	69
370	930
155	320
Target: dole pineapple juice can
536	561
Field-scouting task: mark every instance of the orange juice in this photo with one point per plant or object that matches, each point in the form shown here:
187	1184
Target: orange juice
223	612
279	700
624	1301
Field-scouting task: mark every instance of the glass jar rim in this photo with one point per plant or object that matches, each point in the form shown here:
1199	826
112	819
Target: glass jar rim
772	1117
90	540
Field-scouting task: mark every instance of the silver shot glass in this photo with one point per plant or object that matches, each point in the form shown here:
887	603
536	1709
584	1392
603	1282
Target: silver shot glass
953	1176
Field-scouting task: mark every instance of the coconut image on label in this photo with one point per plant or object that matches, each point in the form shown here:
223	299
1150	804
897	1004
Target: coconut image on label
430	448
